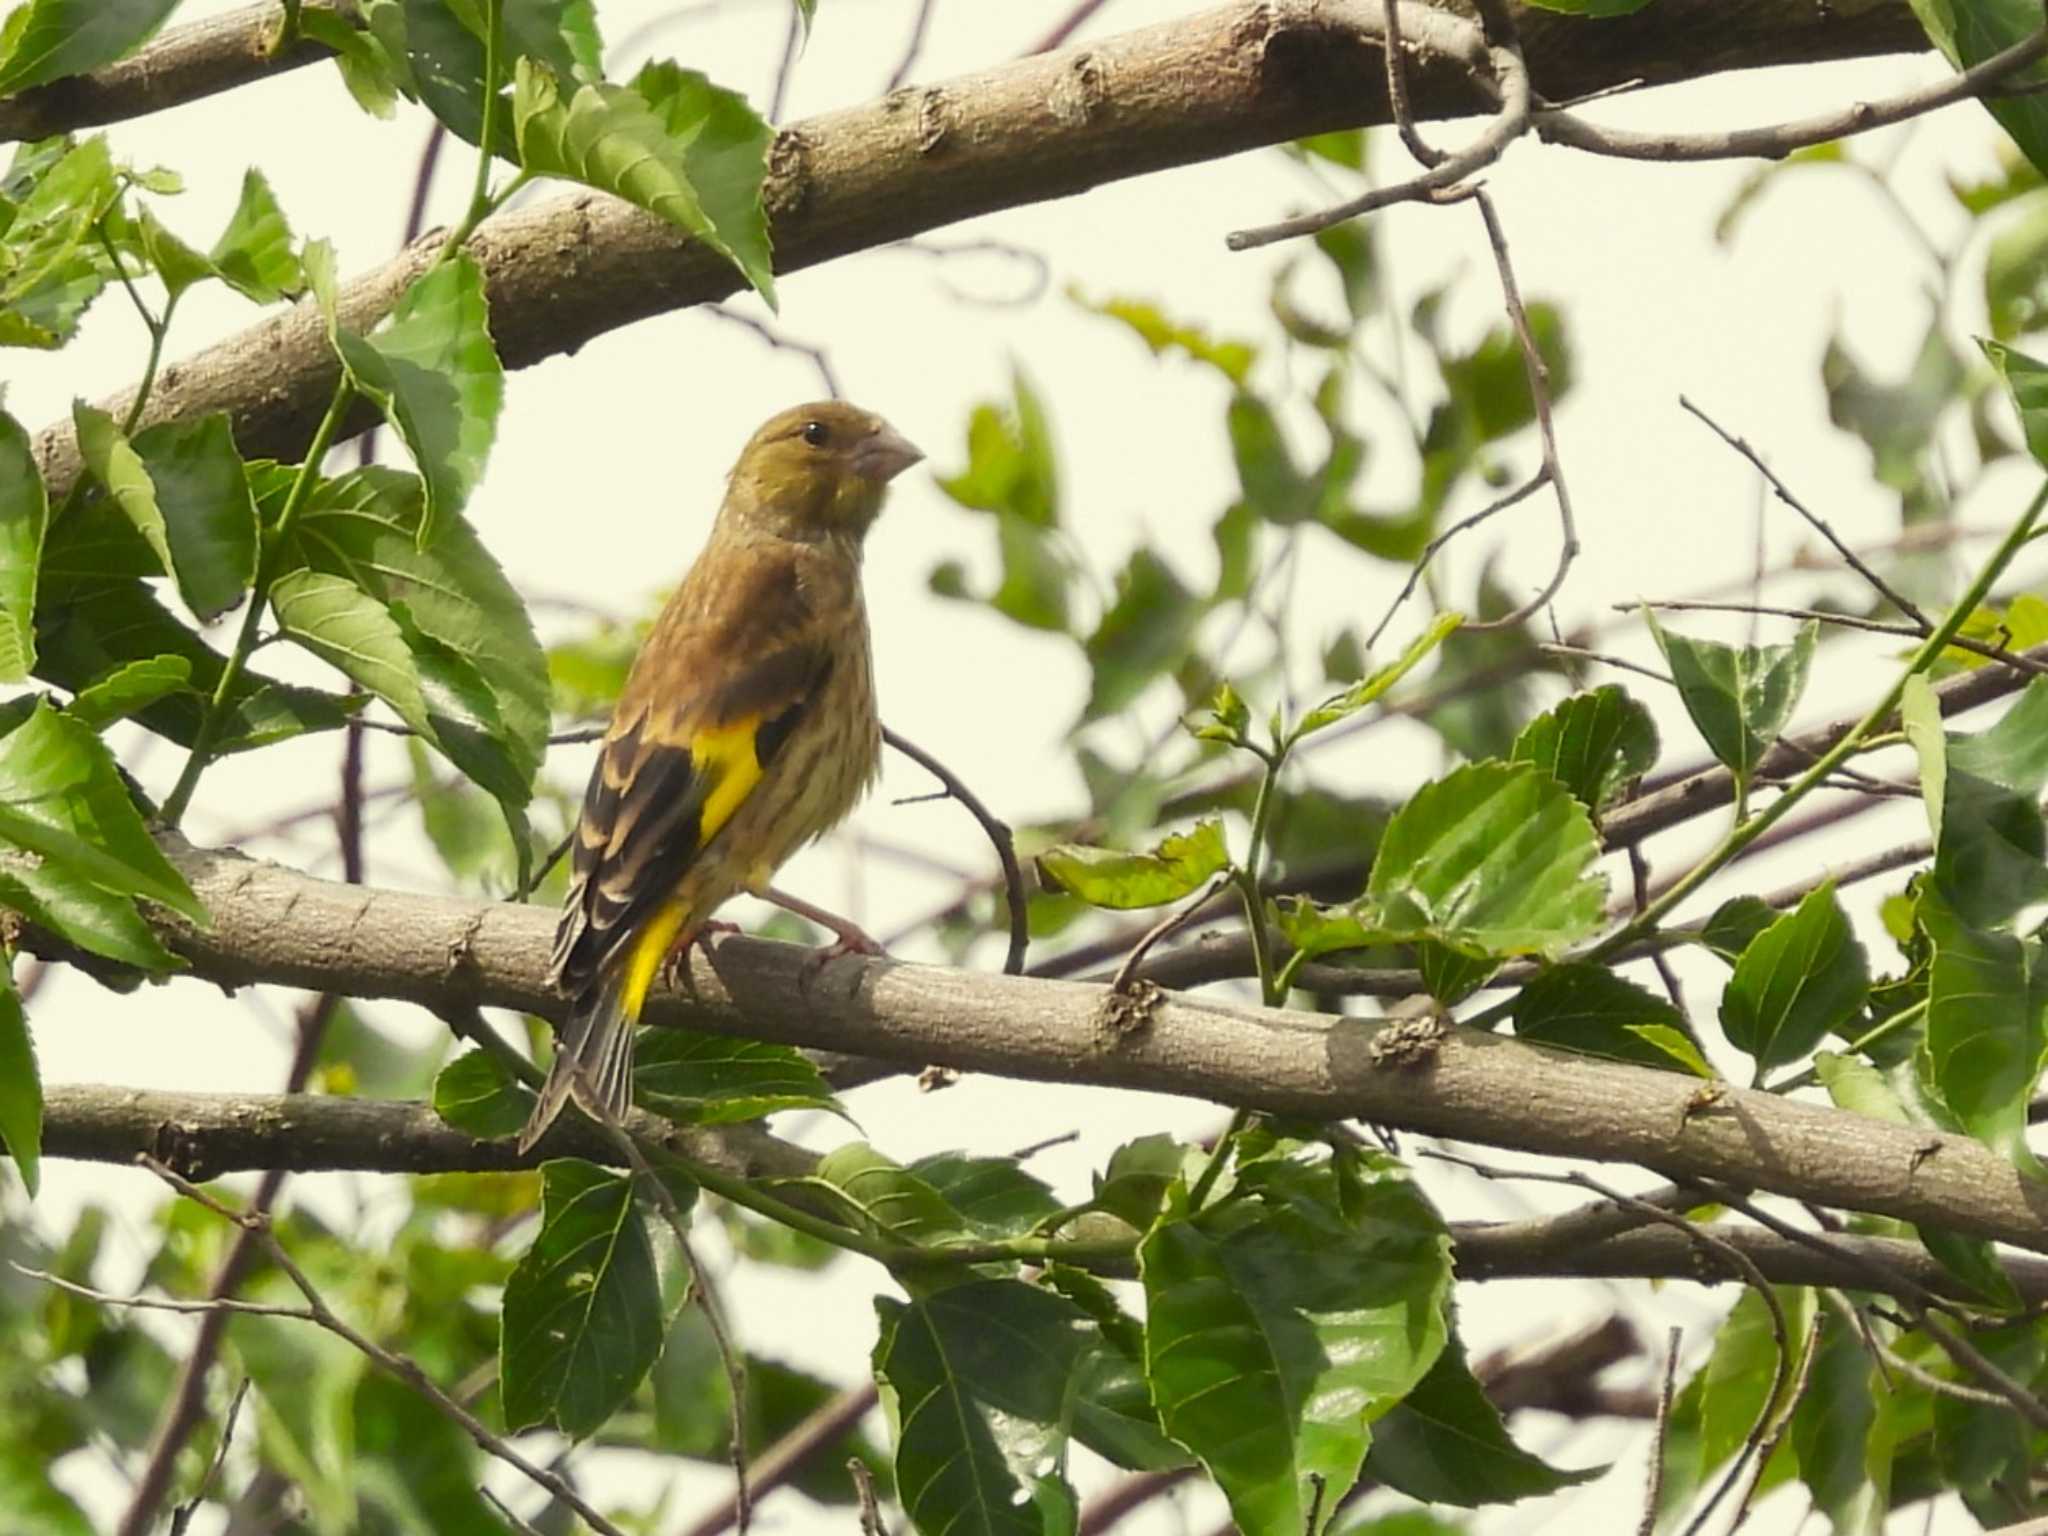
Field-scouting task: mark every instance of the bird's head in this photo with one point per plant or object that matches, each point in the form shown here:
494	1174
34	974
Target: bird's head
818	470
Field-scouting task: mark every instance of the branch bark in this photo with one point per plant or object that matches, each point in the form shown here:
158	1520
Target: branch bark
275	925
206	1135
1193	89
184	65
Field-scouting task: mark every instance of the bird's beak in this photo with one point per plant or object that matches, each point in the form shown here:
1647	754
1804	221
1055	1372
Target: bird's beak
885	455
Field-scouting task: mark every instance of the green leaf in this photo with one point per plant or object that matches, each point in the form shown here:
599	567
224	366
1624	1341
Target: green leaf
254	255
1802	978
1991	842
1920	717
1735	925
1232	359
1739	698
116	465
441	43
49	269
349	629
1369	689
432	371
1594	744
1986	1036
1444	1443
480	1097
698	1079
1145	632
642	143
366	65
366	527
2026	379
1492	859
1134	1183
2016	271
24	516
58	898
176	263
888	1199
89	630
582	1318
1971	31
61	796
1832	1427
51	39
725	155
998	1198
1282	1320
30	1501
1739	1375
209	518
1587	1008
1105	877
1011	465
21	1087
976	1382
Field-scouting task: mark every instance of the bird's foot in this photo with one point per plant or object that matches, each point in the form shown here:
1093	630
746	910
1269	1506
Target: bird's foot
675	969
848	938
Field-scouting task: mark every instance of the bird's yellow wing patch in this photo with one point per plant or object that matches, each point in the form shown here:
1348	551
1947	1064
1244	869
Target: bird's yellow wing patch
726	760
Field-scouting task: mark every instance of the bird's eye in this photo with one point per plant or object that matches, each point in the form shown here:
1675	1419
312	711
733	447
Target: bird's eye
816	434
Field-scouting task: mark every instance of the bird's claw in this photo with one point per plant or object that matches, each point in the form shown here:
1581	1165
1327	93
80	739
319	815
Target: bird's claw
675	969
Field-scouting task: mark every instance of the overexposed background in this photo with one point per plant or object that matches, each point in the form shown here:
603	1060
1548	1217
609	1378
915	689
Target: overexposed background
609	463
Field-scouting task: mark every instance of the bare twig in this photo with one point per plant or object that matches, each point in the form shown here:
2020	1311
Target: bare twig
1780	1422
1639	884
181	1517
1605	659
782	343
1653	1494
913	48
1164	928
1884	589
1781	139
1397	90
1539	393
998	834
1520	493
1067	26
1998	653
792	45
317	1312
825	1427
1511	82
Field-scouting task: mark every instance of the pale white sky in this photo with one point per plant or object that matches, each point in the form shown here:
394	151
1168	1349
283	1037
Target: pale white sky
608	465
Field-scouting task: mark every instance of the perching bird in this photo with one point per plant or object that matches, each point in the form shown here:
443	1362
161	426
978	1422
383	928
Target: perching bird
746	728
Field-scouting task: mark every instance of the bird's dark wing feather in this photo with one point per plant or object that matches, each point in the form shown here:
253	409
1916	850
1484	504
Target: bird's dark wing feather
722	682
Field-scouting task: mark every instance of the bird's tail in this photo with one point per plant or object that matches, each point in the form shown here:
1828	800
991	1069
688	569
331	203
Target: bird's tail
593	1057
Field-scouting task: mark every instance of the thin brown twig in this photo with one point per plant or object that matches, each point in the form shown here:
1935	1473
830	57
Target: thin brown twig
911	49
729	1354
1165	928
1605	659
781	343
181	1517
824	1427
317	1312
1781	139
1639	882
1780	1422
1066	26
998	833
1997	653
1653	1494
518	1523
1397	90
1820	525
1430	550
1538	373
792	45
1511	81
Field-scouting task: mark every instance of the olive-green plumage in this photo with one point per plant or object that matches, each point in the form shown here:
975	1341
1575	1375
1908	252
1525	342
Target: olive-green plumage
746	728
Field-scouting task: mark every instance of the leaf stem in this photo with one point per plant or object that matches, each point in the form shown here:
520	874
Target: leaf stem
1910	1014
259	600
480	200
1746	832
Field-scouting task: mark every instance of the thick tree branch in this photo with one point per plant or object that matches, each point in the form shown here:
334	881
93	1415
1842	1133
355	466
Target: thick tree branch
185	64
1192	89
275	925
206	1135
210	1134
